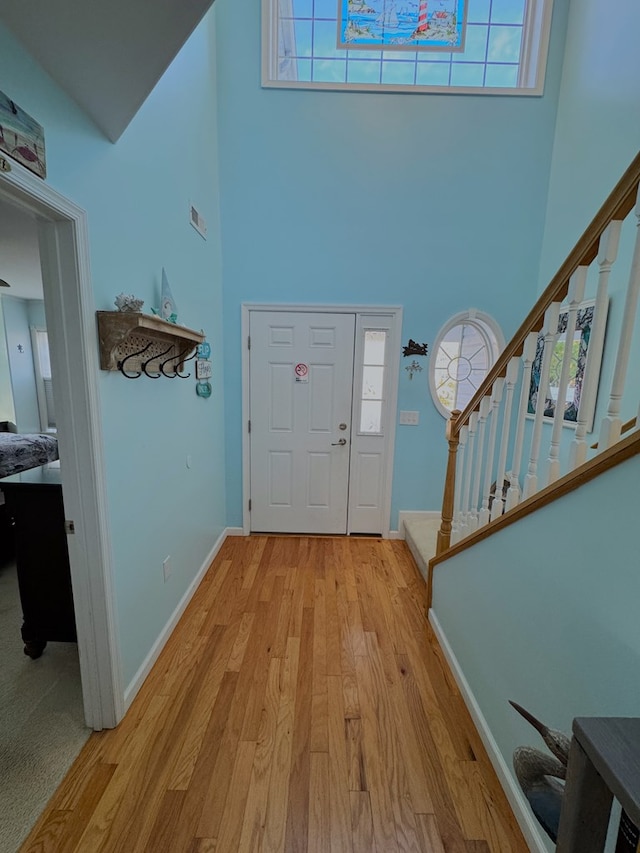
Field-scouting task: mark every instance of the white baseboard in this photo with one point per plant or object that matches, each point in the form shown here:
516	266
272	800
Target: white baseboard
417	515
139	678
235	531
530	829
395	534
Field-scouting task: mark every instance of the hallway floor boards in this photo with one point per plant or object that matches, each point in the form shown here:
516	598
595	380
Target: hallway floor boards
301	704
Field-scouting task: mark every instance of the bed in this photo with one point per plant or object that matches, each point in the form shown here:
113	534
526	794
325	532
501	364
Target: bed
19	452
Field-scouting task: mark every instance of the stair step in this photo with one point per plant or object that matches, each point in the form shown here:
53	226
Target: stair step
421	536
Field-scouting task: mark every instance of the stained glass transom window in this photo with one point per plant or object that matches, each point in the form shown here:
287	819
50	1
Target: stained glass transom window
419	45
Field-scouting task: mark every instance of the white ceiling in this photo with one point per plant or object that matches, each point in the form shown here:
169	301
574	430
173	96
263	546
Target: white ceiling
106	54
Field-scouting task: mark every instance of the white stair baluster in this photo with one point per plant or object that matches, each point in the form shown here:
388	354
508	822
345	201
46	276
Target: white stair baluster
497	507
457	515
550	331
496	399
528	354
472	521
611	423
607	254
575	297
469	464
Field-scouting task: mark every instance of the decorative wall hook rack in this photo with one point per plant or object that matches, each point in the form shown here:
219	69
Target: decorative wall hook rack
127	337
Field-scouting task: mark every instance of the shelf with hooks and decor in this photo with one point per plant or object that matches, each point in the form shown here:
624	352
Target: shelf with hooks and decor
137	344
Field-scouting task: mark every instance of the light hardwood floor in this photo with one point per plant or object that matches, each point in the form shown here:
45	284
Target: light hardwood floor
301	704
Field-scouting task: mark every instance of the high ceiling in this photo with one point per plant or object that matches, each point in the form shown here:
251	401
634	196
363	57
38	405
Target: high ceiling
106	54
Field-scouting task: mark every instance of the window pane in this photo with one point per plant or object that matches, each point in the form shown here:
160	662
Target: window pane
507	11
43	354
478	11
329	71
467	74
371	416
503	76
372	379
432	74
302	45
374	345
475	48
504	44
301	8
326	9
363	72
324	40
398	72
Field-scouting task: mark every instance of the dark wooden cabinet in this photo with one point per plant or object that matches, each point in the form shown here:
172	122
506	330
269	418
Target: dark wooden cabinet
34	500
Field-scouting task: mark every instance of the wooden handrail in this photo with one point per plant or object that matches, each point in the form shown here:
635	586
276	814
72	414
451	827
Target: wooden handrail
617	206
615	455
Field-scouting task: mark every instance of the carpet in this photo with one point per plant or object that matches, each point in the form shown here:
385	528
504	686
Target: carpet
42	725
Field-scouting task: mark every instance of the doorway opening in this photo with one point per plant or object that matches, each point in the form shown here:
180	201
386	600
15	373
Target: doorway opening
70	318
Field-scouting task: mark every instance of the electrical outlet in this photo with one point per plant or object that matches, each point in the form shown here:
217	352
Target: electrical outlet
409	418
166	568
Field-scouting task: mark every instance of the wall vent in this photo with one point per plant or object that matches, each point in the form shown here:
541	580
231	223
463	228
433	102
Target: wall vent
198	221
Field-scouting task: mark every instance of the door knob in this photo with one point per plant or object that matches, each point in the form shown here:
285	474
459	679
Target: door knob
341	442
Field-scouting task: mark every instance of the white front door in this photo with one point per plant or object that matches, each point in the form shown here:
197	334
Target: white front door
301	379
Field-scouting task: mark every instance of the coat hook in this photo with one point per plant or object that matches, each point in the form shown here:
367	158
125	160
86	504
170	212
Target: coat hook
166	361
184	361
122	363
153	358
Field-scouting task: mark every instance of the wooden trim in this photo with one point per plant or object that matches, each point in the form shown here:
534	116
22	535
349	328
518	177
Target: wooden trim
615	455
617	206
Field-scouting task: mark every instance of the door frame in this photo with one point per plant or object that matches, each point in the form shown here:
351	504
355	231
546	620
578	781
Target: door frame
69	306
394	311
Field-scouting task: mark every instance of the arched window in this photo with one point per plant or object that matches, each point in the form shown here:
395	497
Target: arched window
465	350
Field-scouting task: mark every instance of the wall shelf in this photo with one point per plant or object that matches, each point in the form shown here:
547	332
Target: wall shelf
136	343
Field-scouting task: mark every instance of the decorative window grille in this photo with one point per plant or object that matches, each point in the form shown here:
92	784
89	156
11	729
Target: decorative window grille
465	350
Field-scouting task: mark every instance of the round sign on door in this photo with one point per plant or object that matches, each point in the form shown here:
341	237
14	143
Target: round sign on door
301	371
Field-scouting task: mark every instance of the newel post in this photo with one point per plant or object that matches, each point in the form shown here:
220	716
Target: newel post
448	498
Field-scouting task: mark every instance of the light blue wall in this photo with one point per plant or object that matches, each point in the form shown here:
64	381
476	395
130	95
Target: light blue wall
435	202
137	195
597	136
545	612
598	127
23	380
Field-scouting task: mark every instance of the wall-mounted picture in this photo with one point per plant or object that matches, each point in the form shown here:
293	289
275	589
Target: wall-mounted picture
583	346
21	137
402	24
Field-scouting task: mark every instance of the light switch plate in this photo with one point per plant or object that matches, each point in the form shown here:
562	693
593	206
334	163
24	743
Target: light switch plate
410	418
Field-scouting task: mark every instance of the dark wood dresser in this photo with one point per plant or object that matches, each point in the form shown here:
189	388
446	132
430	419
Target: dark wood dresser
34	500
